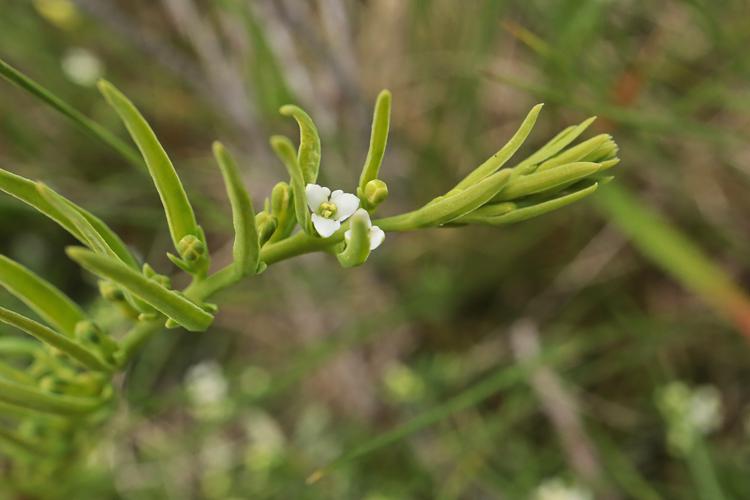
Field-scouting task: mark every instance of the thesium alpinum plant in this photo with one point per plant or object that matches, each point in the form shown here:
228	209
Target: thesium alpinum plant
59	385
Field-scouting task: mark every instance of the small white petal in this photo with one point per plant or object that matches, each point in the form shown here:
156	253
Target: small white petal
325	227
316	195
346	204
377	236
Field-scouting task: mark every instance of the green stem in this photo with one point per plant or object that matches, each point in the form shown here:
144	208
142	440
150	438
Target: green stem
703	473
136	337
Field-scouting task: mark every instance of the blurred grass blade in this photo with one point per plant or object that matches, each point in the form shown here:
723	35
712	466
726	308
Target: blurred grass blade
308	154
30	397
381	122
675	254
497	160
91	127
179	212
26	191
504	378
246	247
41	296
65	344
285	151
169	303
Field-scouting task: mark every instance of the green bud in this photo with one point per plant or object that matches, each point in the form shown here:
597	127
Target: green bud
110	291
376	192
161	279
267	225
91	336
283	210
191	249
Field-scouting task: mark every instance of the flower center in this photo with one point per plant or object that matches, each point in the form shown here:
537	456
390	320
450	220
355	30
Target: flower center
327	209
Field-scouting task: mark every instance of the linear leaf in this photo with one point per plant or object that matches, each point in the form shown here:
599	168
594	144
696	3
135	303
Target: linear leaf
36	399
179	212
554	146
549	179
285	151
497	160
381	121
246	247
26	191
524	213
169	303
54	339
42	297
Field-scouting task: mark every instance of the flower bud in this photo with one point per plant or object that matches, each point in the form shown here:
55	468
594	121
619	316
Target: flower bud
266	224
376	191
110	291
161	279
191	249
90	335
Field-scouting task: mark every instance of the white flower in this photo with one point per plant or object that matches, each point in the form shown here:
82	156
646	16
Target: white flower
329	209
82	66
556	489
376	234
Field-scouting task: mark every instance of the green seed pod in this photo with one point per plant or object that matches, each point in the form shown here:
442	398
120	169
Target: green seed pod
376	192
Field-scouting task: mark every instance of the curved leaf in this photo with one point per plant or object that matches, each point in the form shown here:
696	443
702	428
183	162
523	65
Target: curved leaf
285	151
381	121
179	212
65	344
246	247
26	191
308	154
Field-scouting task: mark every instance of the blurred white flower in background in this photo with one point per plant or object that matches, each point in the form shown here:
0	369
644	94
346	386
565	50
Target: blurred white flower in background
557	489
82	66
690	413
207	391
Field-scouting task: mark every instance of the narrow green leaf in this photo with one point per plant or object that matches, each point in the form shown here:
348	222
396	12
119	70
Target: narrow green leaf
65	344
576	153
497	160
285	151
534	183
381	121
308	154
524	213
358	246
169	303
447	208
26	191
41	296
89	126
92	238
246	247
554	146
179	212
35	399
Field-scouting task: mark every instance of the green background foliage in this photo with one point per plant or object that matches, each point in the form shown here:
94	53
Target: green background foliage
417	375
